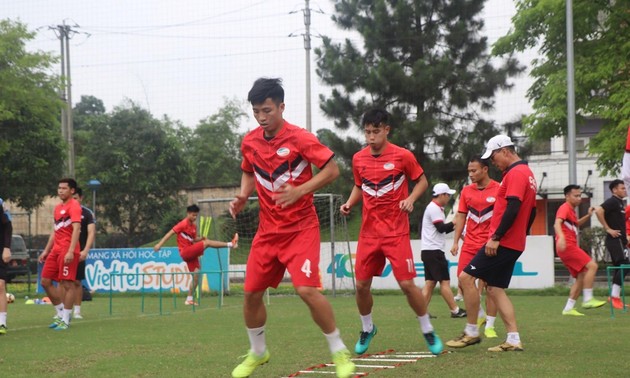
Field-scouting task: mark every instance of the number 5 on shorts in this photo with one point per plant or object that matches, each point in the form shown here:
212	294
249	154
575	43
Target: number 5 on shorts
66	271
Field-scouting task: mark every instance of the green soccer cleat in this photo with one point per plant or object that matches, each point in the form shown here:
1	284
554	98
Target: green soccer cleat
252	361
490	333
344	367
56	321
364	341
62	326
572	312
434	342
481	320
593	303
3	329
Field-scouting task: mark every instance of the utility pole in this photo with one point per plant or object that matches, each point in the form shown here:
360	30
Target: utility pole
307	49
64	32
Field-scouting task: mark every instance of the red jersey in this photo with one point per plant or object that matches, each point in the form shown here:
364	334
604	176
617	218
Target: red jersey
478	205
518	182
627	219
65	215
186	233
384	181
569	224
284	159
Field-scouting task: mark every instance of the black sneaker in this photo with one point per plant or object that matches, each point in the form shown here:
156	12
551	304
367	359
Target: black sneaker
431	316
461	313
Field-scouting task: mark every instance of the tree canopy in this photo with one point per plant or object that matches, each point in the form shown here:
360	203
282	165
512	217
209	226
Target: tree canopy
427	63
31	148
139	162
602	69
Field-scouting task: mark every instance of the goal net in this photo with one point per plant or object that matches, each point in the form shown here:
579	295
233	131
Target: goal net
337	271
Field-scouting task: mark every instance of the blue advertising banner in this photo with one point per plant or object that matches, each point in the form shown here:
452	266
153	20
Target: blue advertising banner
135	269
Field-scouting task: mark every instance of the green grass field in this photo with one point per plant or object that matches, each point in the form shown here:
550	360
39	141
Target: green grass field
208	341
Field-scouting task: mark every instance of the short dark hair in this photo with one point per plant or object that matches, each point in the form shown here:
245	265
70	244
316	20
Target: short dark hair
192	208
375	117
78	192
478	159
70	181
265	88
569	188
614	183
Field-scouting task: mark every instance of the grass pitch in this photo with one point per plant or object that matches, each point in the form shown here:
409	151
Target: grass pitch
208	341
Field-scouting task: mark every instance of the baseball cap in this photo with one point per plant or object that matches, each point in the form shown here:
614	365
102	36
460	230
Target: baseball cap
496	142
442	188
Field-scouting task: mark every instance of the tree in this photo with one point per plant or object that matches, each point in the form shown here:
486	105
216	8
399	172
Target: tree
86	112
215	147
426	62
138	159
31	147
602	69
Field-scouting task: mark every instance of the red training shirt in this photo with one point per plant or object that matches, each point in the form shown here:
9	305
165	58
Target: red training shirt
64	215
569	224
478	205
384	181
518	182
186	233
284	159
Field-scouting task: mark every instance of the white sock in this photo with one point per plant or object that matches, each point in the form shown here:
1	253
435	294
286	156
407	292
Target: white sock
3	318
513	338
66	315
490	321
570	304
616	291
257	340
481	313
455	311
471	330
425	323
59	309
77	310
366	322
189	298
335	344
587	294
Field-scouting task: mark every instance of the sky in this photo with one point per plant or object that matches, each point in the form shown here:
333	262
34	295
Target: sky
185	58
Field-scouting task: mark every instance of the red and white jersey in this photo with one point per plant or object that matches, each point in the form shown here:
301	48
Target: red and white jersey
569	224
518	182
478	205
284	159
65	215
186	233
384	182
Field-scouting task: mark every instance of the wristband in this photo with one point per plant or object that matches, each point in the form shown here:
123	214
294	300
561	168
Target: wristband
230	244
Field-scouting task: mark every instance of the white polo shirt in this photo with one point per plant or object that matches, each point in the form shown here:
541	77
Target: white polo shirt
431	237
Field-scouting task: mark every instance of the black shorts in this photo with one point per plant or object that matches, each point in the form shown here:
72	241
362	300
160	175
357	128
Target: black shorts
495	270
435	265
3	270
80	271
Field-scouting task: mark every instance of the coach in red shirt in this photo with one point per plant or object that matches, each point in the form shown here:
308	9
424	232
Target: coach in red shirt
514	211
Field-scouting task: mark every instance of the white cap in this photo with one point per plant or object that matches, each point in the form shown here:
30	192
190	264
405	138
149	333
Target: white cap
442	188
495	143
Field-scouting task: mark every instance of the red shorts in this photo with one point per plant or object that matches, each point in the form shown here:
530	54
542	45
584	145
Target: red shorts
191	255
465	255
272	254
55	269
371	254
575	259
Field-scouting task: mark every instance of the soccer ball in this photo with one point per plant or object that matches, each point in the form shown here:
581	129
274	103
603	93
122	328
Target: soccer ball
10	298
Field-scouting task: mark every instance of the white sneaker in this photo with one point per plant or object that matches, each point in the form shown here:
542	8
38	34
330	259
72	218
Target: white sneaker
459	298
77	316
